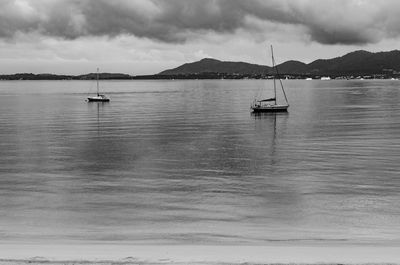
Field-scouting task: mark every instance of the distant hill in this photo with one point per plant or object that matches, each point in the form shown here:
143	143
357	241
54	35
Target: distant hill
91	76
358	62
293	67
30	76
354	63
208	65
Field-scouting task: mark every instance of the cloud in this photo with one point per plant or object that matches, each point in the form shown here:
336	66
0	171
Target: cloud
177	21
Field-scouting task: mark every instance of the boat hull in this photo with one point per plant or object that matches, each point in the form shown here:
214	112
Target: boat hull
270	108
98	99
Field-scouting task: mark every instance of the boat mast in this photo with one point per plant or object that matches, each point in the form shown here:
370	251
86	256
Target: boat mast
280	80
273	66
97	78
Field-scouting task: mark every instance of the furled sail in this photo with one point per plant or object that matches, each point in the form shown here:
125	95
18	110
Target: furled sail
268	99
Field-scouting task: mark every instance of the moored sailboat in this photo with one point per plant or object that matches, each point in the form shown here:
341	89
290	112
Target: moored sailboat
99	97
271	104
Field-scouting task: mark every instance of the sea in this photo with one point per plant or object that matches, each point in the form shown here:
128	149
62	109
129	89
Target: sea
187	163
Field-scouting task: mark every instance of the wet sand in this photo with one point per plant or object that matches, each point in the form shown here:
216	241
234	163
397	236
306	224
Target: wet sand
175	254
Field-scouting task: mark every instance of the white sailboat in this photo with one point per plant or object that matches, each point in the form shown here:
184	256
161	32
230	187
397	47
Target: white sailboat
99	97
271	104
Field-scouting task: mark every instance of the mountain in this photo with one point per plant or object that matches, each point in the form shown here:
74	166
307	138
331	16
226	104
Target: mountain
358	62
208	65
293	67
354	63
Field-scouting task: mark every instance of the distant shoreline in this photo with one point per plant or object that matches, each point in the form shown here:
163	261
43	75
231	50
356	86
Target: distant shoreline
355	65
118	76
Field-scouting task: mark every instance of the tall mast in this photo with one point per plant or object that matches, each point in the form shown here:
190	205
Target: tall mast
280	81
273	66
97	78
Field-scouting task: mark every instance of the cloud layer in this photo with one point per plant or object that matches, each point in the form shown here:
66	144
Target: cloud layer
177	21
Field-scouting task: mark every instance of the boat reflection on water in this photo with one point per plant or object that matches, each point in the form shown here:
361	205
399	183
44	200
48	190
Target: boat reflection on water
267	120
270	128
99	108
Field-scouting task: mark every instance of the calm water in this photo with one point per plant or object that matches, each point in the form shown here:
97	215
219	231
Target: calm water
186	162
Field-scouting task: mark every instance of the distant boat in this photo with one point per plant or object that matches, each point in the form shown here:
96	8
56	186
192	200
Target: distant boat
270	104
99	97
325	78
308	78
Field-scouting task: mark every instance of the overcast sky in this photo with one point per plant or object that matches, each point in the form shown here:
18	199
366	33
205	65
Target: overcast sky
148	36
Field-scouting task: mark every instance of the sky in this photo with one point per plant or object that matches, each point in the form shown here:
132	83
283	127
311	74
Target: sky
147	36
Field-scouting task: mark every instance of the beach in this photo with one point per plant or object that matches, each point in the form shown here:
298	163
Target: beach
199	254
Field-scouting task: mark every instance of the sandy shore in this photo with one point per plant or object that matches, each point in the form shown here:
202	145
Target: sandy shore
174	254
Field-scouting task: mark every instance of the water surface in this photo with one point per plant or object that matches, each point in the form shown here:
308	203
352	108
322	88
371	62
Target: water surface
185	162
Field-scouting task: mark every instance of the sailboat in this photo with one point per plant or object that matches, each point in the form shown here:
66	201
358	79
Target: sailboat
271	104
99	97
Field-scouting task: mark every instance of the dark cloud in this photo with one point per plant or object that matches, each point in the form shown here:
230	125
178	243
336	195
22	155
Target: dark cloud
328	22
